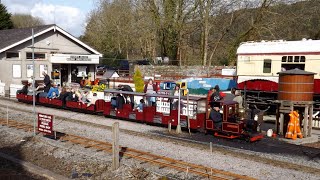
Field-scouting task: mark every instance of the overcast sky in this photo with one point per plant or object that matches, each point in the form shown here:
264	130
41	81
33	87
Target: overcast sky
68	14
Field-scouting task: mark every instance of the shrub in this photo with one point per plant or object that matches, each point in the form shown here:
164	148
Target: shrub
138	81
98	88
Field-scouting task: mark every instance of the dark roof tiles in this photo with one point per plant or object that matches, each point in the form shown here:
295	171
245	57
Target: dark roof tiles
11	36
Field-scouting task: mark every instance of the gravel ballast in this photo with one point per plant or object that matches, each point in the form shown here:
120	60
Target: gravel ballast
216	159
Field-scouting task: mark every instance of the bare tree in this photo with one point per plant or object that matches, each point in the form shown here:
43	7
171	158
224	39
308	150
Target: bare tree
25	20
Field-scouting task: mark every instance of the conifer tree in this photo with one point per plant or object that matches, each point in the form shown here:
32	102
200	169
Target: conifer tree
5	18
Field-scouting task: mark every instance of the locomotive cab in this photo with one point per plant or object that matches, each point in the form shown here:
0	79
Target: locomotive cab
233	126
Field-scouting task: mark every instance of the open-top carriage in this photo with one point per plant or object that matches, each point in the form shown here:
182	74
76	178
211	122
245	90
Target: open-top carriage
192	114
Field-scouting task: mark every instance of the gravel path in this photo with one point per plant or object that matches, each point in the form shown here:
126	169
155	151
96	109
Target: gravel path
218	160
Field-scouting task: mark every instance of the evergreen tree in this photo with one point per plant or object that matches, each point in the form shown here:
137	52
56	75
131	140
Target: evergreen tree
138	81
5	18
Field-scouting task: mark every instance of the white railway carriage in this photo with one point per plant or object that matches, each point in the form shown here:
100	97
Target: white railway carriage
261	61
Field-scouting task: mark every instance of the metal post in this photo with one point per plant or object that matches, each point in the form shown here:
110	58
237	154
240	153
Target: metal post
245	96
179	126
310	120
7	115
305	121
33	87
115	146
188	118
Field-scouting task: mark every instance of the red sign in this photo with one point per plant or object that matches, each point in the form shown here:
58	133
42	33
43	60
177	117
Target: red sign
45	123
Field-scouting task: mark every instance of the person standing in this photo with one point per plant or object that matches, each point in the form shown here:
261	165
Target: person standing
175	92
229	97
150	88
46	81
238	98
215	96
124	87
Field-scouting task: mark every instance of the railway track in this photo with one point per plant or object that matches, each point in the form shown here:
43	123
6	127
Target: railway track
146	157
227	147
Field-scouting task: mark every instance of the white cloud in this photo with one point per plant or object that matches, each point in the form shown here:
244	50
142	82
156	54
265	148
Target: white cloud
68	18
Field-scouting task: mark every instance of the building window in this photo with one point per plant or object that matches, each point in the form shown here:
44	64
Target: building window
290	58
302	59
296	58
16	71
43	68
29	70
36	55
284	59
267	66
10	55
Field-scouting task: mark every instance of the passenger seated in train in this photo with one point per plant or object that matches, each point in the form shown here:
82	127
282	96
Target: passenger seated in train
30	88
53	91
216	116
84	97
24	89
141	105
114	102
65	95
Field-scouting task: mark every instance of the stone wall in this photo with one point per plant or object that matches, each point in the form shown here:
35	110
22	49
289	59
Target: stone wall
185	71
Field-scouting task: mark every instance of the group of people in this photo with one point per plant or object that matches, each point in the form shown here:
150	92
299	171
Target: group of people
215	96
29	88
54	91
120	99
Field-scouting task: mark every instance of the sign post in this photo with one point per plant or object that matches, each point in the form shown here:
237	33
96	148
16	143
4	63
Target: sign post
45	123
33	87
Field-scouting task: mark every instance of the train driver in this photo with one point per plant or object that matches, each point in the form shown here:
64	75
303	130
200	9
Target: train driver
215	115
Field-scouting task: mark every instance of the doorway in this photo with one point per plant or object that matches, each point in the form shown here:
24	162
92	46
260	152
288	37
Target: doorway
64	73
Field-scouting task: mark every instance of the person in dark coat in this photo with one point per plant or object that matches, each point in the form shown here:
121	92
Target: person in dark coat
46	81
215	96
124	87
120	101
216	116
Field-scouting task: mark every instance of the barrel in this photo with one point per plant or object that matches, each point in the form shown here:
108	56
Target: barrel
296	85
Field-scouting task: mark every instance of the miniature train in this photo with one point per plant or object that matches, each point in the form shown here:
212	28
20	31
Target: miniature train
193	114
259	62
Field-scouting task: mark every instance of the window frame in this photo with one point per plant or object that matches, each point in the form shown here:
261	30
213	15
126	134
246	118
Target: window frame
269	61
42	53
13	57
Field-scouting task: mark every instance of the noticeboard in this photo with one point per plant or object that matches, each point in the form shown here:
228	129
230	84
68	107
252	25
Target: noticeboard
45	123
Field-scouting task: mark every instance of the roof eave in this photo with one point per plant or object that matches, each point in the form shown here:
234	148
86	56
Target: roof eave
53	27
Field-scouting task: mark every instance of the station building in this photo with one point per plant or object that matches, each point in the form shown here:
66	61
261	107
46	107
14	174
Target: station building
64	57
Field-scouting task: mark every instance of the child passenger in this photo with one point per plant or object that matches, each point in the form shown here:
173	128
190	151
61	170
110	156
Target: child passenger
141	105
